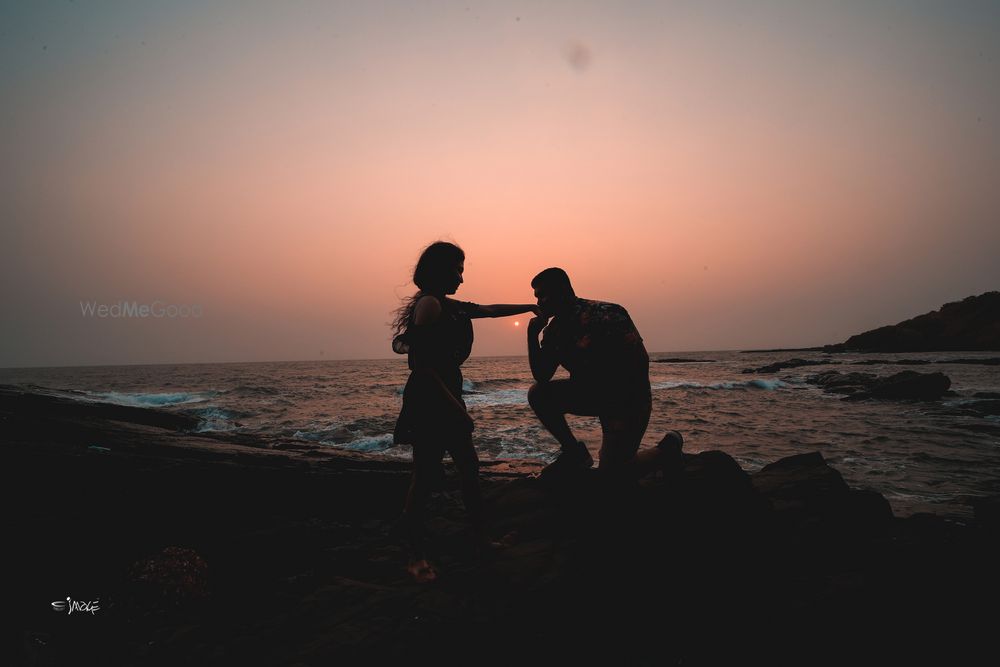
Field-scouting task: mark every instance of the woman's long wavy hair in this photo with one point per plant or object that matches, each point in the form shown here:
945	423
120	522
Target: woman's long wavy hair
431	275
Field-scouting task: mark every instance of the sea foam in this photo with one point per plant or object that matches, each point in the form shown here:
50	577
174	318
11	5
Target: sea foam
149	400
769	385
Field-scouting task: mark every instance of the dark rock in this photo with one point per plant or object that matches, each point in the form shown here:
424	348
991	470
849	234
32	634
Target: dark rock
843	383
284	564
799	479
714	482
521	505
807	492
172	578
988	361
890	362
791	363
987	514
924	528
36	400
970	324
902	385
911	384
864	512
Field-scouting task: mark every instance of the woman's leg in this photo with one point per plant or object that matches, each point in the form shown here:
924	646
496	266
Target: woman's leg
463	453
427	455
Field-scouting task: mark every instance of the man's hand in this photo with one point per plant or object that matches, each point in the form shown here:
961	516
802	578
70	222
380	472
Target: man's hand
543	364
536	324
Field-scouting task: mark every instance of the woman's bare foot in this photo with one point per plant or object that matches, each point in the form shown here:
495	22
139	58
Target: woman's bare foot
422	571
508	540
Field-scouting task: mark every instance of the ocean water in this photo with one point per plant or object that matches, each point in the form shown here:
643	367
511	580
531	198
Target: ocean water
931	456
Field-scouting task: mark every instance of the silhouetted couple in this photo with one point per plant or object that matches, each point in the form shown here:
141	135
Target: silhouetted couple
595	341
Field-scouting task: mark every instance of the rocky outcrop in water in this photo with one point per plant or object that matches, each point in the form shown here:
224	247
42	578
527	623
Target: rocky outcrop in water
903	385
791	363
796	363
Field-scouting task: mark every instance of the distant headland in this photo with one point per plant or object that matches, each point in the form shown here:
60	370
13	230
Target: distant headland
972	324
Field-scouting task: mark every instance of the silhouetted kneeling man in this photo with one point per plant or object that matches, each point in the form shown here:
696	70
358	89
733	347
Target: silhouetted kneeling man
608	365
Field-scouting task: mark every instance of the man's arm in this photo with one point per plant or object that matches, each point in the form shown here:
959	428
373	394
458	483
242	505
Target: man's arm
543	363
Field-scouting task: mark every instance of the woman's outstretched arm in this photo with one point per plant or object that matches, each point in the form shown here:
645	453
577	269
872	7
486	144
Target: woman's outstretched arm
505	309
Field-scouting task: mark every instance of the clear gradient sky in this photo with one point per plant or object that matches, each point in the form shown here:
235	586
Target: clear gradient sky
738	175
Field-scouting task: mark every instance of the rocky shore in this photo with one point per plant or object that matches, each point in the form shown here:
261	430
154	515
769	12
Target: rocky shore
211	550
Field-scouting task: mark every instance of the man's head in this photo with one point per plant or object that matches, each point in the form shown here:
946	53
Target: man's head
553	291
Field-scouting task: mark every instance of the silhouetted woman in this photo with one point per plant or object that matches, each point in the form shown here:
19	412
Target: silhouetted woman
435	332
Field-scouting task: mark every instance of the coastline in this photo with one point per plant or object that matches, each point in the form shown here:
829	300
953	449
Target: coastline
206	548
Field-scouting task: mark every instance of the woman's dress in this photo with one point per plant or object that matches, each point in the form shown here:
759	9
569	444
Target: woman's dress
441	346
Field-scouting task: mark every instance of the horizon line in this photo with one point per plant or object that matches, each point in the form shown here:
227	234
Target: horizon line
399	356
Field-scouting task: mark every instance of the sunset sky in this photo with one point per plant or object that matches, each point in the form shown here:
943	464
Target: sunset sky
737	175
